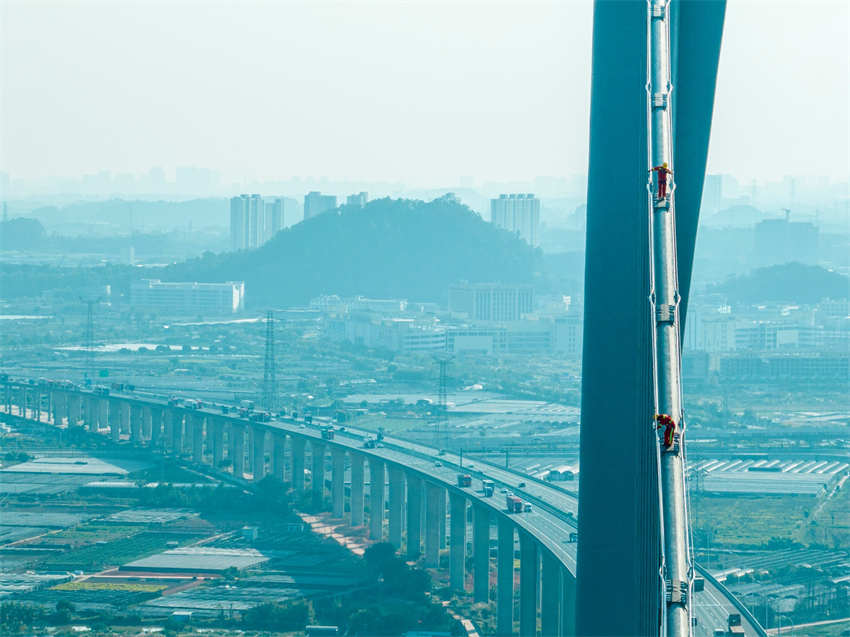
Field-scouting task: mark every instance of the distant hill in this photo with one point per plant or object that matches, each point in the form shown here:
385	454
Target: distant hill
114	216
789	282
397	248
20	234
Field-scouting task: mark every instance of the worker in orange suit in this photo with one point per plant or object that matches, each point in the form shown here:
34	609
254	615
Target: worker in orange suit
669	425
662	171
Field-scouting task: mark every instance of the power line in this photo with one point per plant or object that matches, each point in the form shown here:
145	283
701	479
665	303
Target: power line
269	374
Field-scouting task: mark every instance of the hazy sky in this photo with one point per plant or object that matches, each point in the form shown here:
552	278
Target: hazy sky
422	91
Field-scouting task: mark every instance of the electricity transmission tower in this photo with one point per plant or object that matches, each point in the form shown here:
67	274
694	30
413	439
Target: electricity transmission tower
441	427
89	371
269	376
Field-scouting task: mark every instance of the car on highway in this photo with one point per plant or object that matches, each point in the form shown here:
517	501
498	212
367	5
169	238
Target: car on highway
438	464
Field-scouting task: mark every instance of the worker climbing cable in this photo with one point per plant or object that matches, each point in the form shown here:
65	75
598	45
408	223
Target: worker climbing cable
669	426
662	171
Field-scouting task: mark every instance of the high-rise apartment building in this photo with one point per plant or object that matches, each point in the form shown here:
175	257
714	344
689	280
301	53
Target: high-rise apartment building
275	217
247	222
357	199
315	203
518	213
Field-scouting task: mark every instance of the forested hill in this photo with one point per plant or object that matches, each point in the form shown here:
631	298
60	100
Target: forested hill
790	282
391	248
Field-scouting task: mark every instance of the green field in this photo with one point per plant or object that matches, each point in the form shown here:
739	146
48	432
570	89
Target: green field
749	521
95	557
91	532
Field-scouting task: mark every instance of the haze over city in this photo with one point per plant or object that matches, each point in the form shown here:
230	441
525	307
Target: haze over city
425	319
377	91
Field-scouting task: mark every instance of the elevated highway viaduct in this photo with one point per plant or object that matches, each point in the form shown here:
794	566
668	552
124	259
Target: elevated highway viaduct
414	500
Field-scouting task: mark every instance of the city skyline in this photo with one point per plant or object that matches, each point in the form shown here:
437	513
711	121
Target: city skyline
545	363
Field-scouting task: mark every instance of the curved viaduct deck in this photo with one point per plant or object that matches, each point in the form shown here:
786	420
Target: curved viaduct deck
414	515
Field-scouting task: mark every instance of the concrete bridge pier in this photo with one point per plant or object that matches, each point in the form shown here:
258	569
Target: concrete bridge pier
100	412
188	424
396	484
114	420
23	402
73	415
258	453
167	430
414	516
155	415
197	438
298	445
57	407
51	407
84	408
215	430
551	596
317	483
57	403
26	403
481	554
188	433
433	511
528	583
237	449
457	543
377	482
147	423
278	455
176	432
442	519
92	409
16	402
77	409
357	485
35	405
338	482
102	415
505	580
136	424
33	401
60	407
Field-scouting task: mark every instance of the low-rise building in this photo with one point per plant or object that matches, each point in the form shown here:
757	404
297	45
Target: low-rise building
491	301
173	298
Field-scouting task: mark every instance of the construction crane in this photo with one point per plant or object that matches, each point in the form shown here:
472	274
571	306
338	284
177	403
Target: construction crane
668	421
